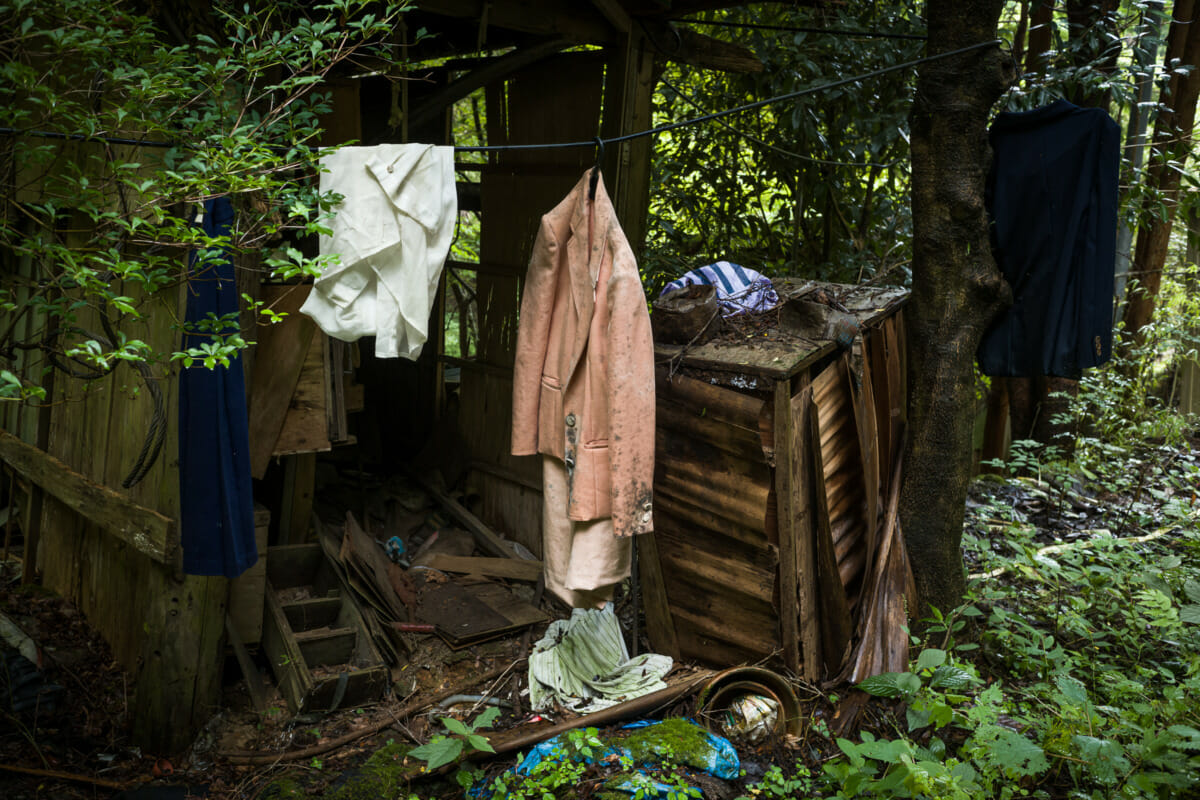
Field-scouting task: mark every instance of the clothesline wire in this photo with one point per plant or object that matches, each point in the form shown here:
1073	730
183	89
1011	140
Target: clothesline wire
736	109
591	142
762	143
802	29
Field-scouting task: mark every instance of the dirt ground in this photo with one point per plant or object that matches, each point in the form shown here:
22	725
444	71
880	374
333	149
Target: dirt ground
80	747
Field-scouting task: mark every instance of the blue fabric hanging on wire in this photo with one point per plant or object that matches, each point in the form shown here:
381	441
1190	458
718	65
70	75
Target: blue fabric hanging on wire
216	494
1052	193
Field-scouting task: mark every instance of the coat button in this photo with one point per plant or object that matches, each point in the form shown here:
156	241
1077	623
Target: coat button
646	517
570	420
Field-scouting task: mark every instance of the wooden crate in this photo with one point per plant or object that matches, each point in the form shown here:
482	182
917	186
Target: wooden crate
766	489
314	634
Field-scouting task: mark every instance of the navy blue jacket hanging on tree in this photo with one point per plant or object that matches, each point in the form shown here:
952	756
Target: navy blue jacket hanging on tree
1052	194
216	495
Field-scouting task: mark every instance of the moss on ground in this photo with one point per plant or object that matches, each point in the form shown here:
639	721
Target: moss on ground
285	788
385	774
675	740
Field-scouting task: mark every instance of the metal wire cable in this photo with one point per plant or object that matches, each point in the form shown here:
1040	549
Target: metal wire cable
802	29
591	142
737	109
763	143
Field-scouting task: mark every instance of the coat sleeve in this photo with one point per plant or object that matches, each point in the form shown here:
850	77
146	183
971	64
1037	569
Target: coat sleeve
533	333
630	400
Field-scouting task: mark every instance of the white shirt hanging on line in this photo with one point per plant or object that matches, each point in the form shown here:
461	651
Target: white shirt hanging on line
391	236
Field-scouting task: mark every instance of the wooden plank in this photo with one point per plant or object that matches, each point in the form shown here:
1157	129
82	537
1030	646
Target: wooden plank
774	360
683	561
485	537
873	468
287	662
279	358
806	575
292	565
312	612
837	627
748	637
327	647
628	106
713	402
660	628
254	682
299	487
693	472
247	590
180	676
495	70
145	530
703	517
785	480
516	569
306	425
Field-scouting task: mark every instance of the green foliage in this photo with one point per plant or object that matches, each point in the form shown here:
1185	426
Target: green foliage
551	776
814	186
94	228
442	750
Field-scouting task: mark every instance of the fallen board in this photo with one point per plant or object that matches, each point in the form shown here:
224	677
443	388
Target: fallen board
513	568
465	615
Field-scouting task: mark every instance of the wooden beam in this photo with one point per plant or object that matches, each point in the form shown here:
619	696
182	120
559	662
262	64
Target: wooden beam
496	70
299	482
581	23
699	50
614	13
145	530
514	568
628	107
806	572
279	359
660	625
484	536
254	681
787	513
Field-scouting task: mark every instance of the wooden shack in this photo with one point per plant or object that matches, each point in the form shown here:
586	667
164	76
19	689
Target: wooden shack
114	551
774	447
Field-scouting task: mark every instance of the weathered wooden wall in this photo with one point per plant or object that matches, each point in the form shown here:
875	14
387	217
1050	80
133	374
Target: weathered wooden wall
714	523
164	627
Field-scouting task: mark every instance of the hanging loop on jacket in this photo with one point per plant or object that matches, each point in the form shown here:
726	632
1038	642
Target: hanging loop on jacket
596	169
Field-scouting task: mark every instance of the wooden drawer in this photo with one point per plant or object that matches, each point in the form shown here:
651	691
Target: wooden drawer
314	634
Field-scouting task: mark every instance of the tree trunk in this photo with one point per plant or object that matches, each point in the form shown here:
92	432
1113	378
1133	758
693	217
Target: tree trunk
1145	51
957	287
1041	35
1172	143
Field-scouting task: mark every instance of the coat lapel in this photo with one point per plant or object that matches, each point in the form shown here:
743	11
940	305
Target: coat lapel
579	258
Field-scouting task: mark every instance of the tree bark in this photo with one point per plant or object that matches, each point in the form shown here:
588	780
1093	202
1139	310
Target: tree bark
957	287
1171	146
1041	35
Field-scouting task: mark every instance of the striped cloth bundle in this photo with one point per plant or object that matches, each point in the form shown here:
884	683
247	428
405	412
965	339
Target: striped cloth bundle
739	290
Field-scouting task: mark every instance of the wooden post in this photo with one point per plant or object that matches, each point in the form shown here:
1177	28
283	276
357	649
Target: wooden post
787	508
660	629
802	512
299	485
628	99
